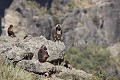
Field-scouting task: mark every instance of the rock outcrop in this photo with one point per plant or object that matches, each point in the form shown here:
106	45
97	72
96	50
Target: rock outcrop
16	48
13	51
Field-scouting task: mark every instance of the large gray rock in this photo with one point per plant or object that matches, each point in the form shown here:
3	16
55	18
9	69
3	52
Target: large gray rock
35	66
69	74
15	49
59	71
56	72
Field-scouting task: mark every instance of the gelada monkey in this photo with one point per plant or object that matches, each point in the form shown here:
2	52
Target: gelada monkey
43	54
67	64
10	31
57	33
28	56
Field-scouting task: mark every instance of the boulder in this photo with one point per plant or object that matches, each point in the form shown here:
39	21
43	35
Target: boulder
15	49
114	49
72	74
35	66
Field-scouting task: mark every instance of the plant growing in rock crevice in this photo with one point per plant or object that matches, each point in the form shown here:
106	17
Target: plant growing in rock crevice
95	19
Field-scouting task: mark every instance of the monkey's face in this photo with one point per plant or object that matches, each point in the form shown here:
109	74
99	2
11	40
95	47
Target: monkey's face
44	47
11	26
58	28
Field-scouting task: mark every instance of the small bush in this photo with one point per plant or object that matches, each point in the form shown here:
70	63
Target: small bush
33	5
71	3
95	19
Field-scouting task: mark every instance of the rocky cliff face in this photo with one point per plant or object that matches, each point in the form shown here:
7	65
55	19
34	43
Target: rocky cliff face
96	22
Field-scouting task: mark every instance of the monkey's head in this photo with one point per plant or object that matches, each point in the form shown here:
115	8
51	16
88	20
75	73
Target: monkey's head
67	62
44	47
58	27
11	26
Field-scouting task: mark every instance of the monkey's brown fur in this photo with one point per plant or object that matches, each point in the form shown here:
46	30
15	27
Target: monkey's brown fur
57	33
10	31
43	54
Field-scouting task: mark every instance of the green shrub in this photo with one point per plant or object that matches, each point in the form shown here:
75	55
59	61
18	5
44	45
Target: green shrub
95	19
33	5
8	72
94	59
71	3
89	59
94	78
68	76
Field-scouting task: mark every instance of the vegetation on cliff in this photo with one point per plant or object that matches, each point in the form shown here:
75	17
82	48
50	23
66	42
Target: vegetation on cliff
94	59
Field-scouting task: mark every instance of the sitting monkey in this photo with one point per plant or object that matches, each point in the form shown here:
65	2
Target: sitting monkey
57	33
28	56
43	54
10	31
67	64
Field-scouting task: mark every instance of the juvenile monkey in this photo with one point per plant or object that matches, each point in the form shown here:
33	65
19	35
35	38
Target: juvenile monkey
57	33
43	54
28	56
67	64
10	31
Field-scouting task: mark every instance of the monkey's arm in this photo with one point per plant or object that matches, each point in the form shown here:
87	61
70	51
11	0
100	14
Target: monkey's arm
40	55
54	34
